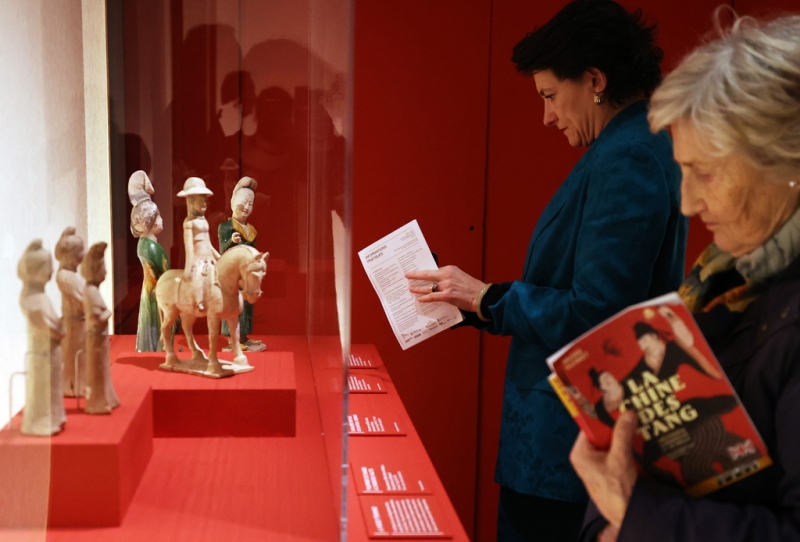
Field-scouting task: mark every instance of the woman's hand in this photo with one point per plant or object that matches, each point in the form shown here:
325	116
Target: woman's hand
609	476
452	286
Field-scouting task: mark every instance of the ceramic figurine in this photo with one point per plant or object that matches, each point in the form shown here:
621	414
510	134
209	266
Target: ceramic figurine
44	412
100	394
236	231
146	223
69	253
209	286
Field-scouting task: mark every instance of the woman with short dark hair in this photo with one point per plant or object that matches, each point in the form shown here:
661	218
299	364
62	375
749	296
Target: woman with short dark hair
611	236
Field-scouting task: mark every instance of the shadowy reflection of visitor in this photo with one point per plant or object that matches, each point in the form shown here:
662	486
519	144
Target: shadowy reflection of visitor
274	156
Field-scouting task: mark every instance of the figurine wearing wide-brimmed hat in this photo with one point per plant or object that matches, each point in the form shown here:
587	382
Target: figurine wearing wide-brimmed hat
201	256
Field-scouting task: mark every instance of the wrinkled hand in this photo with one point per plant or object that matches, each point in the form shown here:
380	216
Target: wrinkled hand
609	476
455	287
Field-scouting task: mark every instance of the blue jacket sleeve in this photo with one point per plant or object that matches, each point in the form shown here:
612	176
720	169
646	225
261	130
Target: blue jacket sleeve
619	236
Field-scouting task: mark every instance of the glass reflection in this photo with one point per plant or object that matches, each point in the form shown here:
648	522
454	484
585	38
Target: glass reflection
226	89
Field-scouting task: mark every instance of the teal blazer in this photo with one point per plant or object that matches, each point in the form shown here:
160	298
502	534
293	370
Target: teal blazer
612	235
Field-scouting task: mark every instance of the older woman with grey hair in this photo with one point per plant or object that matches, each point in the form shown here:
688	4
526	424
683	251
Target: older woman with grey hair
733	107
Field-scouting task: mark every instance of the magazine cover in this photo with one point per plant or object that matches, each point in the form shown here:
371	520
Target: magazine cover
651	358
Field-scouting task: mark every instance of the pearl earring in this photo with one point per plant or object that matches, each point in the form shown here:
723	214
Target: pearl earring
792	184
598	98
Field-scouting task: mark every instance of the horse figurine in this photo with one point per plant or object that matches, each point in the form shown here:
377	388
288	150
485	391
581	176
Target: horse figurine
240	268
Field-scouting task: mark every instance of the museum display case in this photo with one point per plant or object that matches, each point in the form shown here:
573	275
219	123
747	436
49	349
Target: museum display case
151	104
218	90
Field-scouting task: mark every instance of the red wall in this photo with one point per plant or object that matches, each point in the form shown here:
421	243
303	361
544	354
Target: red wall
448	133
420	153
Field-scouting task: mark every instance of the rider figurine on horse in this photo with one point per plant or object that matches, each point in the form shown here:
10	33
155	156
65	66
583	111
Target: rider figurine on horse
210	286
201	256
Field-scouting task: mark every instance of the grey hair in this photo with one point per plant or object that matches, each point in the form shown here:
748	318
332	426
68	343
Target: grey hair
741	93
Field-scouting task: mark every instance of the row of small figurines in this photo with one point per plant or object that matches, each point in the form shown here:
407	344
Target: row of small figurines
68	355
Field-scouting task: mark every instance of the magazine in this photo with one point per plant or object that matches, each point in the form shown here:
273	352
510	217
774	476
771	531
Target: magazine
652	358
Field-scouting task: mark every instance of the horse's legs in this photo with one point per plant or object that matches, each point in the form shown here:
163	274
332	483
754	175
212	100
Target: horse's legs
214	366
187	322
236	347
167	337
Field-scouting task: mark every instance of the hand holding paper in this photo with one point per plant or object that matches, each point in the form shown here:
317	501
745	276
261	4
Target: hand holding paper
386	262
454	286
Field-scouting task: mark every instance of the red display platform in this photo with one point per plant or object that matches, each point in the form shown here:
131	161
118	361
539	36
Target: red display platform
393	490
221	488
96	463
260	403
88	472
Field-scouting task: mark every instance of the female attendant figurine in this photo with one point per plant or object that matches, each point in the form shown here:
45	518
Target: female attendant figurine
236	231
69	253
200	271
44	407
100	394
146	223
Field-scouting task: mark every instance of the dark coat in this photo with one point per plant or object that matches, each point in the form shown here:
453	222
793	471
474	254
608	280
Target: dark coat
611	236
760	353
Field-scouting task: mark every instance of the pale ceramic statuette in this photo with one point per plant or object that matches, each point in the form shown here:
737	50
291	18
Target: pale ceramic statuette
100	395
44	412
146	223
209	286
69	253
234	232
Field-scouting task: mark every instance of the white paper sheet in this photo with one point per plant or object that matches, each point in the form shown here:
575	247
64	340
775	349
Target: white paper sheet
386	261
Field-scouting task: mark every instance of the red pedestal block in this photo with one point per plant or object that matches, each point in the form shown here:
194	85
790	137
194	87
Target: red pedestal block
87	474
260	403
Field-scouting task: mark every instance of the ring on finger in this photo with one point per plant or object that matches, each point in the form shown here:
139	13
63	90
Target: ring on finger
434	286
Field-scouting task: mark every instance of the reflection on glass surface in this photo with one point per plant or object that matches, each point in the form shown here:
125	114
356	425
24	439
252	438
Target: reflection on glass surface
222	89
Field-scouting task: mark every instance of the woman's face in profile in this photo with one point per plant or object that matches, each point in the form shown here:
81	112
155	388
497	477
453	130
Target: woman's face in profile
733	199
569	106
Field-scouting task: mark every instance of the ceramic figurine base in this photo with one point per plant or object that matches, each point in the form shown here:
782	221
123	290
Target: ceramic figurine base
255	347
200	367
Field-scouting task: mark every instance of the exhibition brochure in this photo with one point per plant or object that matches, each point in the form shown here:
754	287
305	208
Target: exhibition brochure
386	261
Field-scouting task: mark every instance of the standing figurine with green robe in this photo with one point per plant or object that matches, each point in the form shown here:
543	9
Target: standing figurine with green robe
146	223
236	231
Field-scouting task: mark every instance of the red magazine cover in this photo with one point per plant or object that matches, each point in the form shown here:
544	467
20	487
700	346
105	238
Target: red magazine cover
652	358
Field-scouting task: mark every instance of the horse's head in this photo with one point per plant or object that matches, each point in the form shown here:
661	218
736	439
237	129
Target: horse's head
252	272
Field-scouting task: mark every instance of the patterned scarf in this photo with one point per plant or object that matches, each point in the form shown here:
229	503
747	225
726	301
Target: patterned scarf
719	278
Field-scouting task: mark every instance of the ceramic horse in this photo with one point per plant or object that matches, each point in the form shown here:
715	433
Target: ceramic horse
239	271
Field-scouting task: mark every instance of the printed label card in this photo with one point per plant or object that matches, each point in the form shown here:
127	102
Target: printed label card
403	517
365	383
364	356
388	467
369	415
